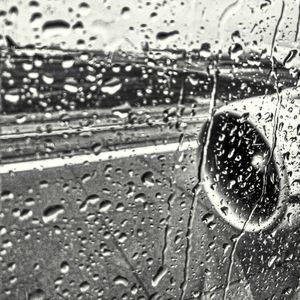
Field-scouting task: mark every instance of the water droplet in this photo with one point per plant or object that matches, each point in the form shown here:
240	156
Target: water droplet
37	295
64	267
140	198
225	210
7	244
112	86
119	280
125	12
162	35
84	286
122	238
93	199
85	178
55	28
70	88
21	119
105	206
48	79
7	196
52	212
84	8
97	148
12	98
236	51
67	62
207	218
161	272
148	179
25	214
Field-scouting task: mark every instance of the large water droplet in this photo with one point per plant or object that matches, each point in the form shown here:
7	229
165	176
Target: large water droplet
119	280
104	206
55	28
37	295
52	212
148	179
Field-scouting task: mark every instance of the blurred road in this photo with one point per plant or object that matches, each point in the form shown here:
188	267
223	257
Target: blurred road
114	228
108	229
125	226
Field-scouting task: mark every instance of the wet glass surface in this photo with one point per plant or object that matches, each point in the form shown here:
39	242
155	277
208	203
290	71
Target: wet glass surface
149	150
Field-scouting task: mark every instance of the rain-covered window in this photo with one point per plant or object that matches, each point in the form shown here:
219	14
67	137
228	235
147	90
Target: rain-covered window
149	149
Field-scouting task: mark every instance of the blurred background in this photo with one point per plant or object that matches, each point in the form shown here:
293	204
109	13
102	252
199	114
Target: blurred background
110	25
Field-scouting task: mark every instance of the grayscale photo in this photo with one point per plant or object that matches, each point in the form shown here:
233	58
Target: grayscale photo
149	149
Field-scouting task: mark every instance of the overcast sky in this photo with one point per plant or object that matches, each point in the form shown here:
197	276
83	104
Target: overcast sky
112	24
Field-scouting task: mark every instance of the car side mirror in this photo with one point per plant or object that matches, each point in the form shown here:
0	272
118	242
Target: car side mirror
250	169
